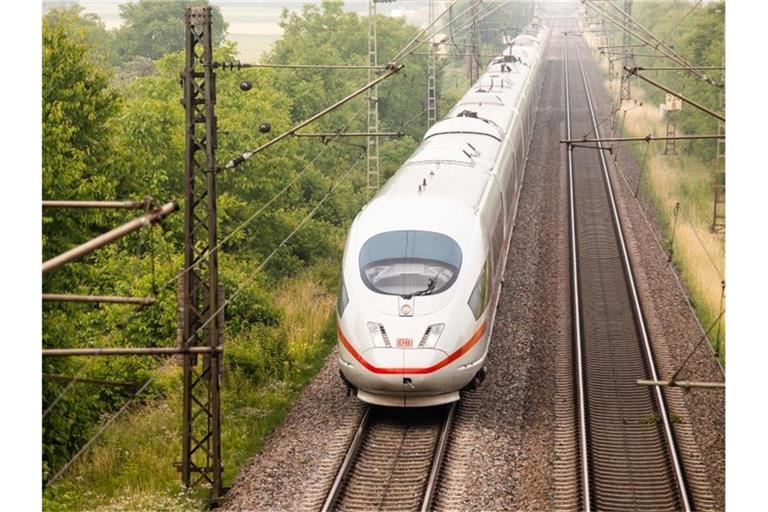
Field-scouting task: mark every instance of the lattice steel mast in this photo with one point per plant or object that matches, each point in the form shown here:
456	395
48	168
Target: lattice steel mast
474	50
372	145
629	60
200	294
431	65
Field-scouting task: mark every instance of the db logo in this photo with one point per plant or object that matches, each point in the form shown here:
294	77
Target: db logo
404	343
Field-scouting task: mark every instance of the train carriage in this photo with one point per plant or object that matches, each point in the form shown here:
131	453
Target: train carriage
424	259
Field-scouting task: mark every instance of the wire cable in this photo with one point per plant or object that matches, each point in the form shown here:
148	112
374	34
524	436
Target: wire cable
264	262
157	372
677	25
265	205
106	424
502	4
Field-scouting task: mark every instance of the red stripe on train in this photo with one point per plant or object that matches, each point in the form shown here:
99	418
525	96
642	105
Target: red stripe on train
471	342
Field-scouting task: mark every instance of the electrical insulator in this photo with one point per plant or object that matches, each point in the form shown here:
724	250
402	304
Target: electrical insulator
246	85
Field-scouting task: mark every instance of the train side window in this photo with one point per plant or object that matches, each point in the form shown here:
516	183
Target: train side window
478	299
498	238
343	299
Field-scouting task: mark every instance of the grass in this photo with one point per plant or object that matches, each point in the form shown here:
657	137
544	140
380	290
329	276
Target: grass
698	254
131	466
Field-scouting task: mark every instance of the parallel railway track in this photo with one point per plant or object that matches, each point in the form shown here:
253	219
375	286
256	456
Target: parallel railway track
629	459
393	461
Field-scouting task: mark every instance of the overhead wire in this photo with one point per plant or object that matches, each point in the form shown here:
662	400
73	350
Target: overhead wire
680	22
404	52
106	424
268	203
624	179
502	4
264	262
174	279
237	292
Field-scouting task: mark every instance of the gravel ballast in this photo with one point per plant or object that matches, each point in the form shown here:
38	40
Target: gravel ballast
503	452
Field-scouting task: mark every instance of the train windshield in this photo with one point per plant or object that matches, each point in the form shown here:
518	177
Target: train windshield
409	263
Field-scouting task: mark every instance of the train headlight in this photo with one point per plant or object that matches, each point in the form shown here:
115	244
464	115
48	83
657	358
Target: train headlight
431	336
406	310
379	336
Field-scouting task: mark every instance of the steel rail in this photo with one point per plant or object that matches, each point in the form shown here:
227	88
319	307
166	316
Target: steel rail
437	462
676	466
583	442
346	464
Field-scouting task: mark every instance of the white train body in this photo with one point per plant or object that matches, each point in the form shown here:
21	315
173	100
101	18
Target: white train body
424	259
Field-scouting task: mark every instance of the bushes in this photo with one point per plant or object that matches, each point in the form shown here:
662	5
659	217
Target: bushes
117	134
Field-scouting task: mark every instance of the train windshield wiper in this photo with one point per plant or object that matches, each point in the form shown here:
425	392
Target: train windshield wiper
426	291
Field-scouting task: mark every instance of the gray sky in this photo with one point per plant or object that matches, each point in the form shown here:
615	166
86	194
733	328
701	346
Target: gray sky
253	24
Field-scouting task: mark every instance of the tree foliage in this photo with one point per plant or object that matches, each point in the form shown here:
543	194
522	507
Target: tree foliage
113	133
700	38
77	144
152	28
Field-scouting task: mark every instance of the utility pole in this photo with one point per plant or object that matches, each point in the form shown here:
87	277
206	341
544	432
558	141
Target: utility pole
431	64
372	145
627	50
200	295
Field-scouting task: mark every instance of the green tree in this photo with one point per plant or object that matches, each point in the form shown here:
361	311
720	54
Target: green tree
77	108
152	28
700	39
326	34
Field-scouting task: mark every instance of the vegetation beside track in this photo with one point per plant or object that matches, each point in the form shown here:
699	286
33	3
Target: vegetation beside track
687	178
113	130
132	467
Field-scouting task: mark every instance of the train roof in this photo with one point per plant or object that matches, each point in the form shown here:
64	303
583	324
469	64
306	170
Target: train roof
455	161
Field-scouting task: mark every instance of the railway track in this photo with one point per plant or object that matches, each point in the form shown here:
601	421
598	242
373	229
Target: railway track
628	456
393	461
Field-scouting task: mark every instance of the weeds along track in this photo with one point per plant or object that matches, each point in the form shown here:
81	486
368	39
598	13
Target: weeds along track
629	458
393	461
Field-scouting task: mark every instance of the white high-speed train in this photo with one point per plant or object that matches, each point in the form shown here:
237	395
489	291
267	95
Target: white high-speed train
424	258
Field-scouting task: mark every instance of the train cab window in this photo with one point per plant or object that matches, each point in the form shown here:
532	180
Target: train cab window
478	300
409	263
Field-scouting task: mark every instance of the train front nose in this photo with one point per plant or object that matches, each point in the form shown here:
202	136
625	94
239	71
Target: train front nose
399	370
